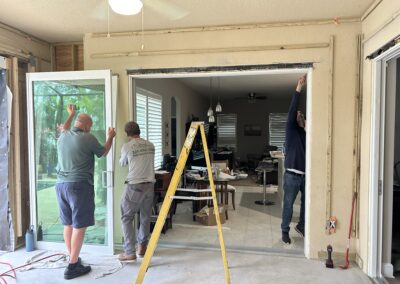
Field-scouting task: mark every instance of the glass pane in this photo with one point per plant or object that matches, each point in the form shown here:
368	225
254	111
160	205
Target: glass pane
49	107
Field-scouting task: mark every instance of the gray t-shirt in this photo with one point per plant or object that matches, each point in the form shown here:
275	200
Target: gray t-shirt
76	150
139	155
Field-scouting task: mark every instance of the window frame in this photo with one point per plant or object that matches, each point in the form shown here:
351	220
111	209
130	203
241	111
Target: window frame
283	116
218	131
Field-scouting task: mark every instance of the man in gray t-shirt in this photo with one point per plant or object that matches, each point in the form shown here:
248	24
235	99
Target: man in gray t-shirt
138	193
76	149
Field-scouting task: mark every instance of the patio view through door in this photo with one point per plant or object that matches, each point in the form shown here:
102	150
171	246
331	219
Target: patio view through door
48	97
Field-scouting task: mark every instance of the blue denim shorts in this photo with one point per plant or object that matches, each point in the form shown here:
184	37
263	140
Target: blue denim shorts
76	202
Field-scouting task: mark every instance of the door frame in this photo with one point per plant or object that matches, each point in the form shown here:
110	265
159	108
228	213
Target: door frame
169	73
376	167
108	248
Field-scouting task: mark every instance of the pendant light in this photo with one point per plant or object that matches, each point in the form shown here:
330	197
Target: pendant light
210	110
211	119
218	107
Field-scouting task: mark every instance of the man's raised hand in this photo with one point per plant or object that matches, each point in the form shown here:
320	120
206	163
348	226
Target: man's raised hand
111	132
71	109
301	82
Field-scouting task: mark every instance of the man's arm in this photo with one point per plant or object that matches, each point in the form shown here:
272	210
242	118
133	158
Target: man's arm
71	114
111	135
301	83
292	113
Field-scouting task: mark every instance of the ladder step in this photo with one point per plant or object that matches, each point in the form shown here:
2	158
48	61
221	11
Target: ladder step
191	197
193	190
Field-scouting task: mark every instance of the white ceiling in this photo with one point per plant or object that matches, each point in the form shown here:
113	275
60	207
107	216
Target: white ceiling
68	20
273	86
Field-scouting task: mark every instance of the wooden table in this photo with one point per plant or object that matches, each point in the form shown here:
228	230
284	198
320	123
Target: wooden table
221	187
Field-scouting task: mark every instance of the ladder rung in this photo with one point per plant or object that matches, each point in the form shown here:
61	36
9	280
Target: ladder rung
193	190
191	197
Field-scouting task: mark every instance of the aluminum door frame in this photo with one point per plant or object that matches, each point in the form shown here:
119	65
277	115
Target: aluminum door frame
108	248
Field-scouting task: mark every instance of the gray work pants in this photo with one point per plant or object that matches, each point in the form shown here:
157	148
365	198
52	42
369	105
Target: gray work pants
137	198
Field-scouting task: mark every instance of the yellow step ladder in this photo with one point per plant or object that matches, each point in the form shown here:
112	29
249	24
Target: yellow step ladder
170	196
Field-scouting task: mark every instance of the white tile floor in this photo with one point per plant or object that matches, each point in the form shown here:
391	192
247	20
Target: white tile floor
250	227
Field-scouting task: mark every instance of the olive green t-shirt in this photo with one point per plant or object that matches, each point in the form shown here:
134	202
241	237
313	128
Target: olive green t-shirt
76	150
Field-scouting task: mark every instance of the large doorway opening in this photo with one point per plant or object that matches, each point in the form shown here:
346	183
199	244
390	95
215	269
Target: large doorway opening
252	101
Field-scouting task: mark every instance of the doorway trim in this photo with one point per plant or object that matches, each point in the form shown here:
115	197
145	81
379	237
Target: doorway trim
212	71
377	151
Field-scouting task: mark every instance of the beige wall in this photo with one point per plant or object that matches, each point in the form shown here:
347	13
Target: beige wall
378	28
298	38
15	43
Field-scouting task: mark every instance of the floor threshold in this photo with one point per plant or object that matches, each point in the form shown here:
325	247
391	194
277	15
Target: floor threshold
234	249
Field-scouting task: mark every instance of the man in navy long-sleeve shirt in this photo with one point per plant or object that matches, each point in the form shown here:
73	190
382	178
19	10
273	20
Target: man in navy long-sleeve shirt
295	161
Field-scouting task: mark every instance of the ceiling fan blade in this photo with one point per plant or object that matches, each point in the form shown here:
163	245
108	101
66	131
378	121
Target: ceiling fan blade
167	9
261	98
99	12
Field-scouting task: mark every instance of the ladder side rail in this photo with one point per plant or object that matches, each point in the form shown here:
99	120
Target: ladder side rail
167	201
215	202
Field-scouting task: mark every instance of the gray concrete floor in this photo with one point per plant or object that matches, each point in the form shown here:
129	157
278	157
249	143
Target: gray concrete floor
189	253
175	265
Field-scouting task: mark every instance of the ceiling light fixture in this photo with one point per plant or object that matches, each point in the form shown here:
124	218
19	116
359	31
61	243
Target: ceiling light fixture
126	7
210	111
218	107
211	119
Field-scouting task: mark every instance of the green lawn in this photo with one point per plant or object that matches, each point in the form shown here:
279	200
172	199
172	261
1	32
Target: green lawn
48	217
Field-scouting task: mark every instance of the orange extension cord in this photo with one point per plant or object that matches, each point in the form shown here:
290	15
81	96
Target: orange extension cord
13	270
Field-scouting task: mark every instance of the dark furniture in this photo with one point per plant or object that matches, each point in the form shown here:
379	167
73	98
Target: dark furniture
221	188
264	168
224	155
163	180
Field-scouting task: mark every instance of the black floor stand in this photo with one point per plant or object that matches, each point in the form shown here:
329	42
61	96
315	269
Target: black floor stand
264	202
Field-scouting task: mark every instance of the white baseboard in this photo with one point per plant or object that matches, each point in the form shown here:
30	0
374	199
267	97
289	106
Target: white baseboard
387	270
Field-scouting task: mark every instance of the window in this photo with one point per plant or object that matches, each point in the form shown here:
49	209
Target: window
226	130
149	117
277	129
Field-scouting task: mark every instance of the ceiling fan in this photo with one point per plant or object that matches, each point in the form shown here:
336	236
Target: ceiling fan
164	8
252	97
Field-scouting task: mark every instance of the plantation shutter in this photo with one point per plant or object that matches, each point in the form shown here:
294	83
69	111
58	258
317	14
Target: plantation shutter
277	129
149	118
226	130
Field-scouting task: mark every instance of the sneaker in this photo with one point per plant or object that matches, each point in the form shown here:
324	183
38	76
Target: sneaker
300	231
141	250
285	238
126	258
76	270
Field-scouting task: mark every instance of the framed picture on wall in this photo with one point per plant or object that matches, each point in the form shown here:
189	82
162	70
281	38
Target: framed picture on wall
252	130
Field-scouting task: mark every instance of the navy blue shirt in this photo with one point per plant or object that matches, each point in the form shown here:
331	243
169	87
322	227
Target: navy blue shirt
295	141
